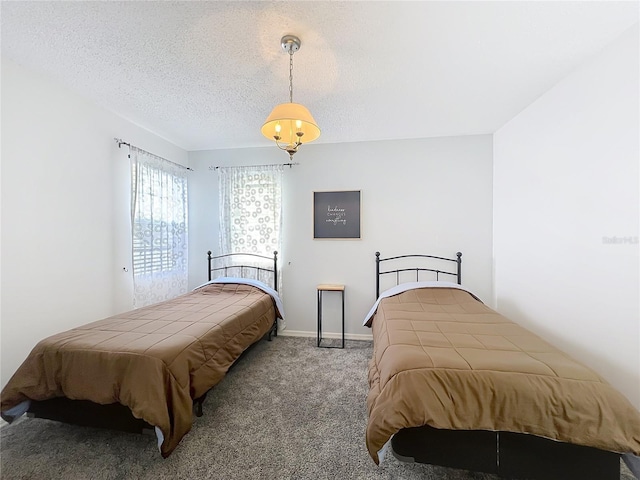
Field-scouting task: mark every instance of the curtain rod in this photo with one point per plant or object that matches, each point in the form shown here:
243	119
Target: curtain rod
211	167
121	142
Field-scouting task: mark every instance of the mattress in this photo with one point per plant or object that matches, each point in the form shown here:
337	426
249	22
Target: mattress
154	360
444	359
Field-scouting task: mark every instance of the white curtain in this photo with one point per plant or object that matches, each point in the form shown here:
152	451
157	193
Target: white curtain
250	210
159	228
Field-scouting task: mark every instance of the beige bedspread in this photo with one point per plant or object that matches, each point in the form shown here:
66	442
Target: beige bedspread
444	359
155	360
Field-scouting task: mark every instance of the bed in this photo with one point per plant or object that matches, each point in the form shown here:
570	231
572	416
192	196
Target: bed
454	383
150	368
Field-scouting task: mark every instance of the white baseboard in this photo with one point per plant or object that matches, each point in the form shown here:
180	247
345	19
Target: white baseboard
347	336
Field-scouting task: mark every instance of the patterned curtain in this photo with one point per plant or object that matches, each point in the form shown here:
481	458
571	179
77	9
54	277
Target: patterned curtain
159	228
250	210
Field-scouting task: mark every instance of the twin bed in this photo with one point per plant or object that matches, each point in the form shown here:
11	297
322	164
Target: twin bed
149	368
454	383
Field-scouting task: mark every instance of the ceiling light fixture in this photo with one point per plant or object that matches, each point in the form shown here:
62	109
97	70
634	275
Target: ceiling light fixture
290	124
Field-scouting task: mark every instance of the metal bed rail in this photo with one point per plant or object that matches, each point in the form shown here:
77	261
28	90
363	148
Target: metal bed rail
397	271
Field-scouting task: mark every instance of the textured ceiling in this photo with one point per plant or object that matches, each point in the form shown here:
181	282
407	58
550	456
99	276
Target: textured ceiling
205	74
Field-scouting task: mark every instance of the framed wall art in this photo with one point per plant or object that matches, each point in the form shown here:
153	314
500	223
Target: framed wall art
336	214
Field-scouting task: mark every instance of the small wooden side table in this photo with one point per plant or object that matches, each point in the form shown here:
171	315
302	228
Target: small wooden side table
329	288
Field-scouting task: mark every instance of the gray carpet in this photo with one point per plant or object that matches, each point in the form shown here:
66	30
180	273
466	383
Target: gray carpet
287	410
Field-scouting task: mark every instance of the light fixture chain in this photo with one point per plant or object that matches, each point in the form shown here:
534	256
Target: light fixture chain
291	76
288	124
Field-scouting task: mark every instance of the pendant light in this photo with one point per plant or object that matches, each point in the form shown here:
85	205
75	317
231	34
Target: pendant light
290	124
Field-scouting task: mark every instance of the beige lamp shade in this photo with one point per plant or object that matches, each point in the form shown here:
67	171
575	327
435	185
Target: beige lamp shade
291	118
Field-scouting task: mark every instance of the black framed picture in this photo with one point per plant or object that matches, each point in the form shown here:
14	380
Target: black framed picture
336	214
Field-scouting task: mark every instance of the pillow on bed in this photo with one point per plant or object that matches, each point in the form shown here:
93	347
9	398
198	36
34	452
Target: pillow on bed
254	283
403	287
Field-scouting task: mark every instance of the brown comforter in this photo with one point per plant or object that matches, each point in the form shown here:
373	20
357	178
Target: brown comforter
444	359
155	360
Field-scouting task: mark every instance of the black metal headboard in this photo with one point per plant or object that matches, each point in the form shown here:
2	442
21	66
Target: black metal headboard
457	273
273	270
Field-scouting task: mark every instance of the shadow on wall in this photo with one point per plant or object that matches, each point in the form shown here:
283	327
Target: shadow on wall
576	351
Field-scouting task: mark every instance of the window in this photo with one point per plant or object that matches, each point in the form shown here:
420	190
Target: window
250	209
159	228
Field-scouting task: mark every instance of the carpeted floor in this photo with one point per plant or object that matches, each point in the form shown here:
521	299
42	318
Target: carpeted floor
287	410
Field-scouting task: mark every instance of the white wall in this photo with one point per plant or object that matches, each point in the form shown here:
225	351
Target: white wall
566	177
65	211
418	196
65	217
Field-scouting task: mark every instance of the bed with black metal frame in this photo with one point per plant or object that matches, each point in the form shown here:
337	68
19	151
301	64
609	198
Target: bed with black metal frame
506	453
243	270
115	416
